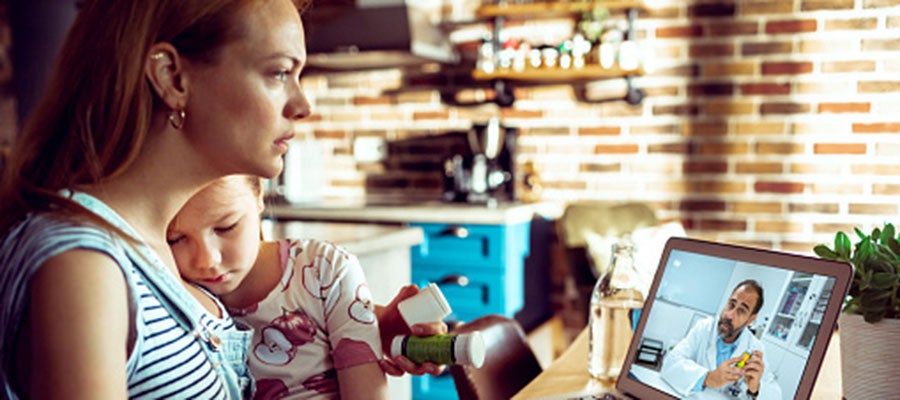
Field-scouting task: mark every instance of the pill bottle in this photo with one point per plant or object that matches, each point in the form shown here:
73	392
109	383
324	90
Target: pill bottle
443	349
429	305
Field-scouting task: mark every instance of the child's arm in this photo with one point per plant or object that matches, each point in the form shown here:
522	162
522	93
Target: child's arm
364	381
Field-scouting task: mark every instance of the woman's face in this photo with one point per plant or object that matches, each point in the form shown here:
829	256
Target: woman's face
215	237
242	109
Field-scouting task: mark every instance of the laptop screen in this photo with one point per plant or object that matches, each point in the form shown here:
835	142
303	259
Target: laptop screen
702	315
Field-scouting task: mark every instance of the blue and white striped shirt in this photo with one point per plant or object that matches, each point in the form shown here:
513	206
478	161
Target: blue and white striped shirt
166	361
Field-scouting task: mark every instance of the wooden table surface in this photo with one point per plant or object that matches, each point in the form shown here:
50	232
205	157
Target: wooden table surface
567	376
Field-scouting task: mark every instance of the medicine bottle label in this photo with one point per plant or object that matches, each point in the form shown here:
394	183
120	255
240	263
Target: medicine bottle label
437	349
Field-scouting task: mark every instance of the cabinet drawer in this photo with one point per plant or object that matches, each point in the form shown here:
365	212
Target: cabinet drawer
472	294
470	245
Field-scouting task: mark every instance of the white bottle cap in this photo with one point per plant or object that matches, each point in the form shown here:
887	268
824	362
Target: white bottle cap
469	349
429	305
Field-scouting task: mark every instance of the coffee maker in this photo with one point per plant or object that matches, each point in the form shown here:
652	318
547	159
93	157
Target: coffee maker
485	173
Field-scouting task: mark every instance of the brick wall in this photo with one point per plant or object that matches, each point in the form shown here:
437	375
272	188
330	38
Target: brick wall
771	123
8	118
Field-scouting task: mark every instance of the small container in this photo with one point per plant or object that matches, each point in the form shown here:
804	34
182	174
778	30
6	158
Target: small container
429	305
446	349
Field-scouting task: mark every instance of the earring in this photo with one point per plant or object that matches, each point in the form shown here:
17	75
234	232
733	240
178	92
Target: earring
157	56
176	118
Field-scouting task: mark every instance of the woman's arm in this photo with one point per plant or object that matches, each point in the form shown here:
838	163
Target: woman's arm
77	329
363	381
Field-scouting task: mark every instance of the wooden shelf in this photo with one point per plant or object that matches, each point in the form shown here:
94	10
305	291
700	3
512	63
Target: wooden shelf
554	8
556	75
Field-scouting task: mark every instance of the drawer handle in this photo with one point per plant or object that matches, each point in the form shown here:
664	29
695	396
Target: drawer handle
456	231
455	279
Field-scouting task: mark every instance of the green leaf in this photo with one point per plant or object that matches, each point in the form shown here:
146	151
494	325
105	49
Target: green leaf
842	245
887	233
884	281
824	252
860	233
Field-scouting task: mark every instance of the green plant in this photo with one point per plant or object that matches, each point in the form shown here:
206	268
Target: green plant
875	289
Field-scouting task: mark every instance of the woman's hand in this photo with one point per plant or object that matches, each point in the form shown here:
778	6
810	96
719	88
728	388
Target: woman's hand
391	324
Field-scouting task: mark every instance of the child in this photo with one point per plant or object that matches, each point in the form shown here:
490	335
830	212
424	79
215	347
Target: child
316	332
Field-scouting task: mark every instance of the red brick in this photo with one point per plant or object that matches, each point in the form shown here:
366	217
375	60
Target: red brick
758	168
842	188
420	115
815	168
787	68
730	68
878	86
601	168
893	22
711	50
679	32
892	44
616	149
779	187
877	127
330	134
874	209
705	167
765	88
661	91
791	26
566	185
709	128
759	48
839	148
879	3
848	66
851	24
721	225
686	70
367	101
732	28
710	89
767	7
722	148
779	148
875	169
778	226
713	186
783	108
816	5
701	205
599	130
516	113
886	189
670	148
655	129
711	10
755	207
816	208
676	109
837	108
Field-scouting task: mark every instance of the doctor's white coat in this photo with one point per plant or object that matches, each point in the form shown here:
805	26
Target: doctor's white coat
695	355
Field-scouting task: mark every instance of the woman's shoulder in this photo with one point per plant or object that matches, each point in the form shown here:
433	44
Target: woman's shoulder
41	236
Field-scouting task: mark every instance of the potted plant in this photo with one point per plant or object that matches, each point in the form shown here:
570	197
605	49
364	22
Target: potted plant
870	321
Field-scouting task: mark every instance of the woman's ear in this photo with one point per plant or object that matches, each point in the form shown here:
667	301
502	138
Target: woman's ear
165	72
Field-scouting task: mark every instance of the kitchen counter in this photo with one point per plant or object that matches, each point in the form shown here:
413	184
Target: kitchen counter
427	211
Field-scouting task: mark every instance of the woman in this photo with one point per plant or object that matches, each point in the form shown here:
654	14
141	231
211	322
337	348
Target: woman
150	102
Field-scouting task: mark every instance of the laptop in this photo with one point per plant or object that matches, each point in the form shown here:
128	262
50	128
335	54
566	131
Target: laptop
694	282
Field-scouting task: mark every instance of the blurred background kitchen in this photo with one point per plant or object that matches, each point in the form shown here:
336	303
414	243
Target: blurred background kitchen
768	123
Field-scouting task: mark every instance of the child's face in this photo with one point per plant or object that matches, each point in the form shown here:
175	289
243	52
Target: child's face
215	236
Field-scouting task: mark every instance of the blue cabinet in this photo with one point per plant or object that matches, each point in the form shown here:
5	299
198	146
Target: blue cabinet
479	268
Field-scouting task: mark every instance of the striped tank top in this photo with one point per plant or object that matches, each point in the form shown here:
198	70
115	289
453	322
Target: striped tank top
168	358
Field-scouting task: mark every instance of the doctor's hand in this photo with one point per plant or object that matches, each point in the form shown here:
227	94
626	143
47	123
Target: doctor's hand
753	371
724	374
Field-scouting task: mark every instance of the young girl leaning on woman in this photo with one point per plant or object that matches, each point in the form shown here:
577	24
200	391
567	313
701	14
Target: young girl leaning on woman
316	332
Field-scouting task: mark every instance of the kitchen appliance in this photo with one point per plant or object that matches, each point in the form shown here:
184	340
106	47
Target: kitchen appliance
486	172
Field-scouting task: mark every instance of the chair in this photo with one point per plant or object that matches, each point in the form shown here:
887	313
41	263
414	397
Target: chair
509	363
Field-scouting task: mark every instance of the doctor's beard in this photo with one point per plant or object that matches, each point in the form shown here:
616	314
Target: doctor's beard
728	331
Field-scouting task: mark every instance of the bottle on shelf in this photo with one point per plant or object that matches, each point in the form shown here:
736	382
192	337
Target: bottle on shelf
614	302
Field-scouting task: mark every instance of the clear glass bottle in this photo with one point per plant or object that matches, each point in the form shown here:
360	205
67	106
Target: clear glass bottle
616	296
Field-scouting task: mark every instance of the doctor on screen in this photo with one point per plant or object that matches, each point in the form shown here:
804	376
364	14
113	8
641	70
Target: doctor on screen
710	356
